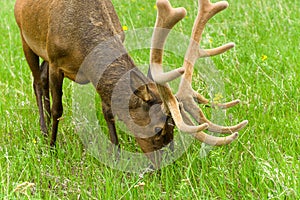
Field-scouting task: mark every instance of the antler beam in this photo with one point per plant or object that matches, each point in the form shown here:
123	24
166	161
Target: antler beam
167	17
186	94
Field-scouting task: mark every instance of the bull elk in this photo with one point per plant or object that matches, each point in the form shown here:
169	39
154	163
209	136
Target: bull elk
65	33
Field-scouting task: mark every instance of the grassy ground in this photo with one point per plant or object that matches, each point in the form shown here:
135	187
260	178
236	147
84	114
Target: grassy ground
263	71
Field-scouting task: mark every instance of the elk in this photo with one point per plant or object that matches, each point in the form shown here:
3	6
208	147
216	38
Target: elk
66	33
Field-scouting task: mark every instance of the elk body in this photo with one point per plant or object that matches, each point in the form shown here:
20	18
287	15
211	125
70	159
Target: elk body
66	33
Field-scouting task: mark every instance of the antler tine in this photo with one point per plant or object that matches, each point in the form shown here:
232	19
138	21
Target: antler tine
215	141
199	116
167	17
202	100
208	139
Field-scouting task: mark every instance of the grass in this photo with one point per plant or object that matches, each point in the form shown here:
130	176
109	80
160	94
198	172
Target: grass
263	71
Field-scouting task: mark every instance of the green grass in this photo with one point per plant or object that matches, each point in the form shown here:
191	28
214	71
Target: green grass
262	164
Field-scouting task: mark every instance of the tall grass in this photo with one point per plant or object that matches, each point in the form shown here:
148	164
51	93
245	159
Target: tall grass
263	71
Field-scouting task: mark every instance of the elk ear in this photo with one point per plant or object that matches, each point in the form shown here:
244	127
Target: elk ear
139	86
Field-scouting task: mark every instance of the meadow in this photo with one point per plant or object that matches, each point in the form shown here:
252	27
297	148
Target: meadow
262	70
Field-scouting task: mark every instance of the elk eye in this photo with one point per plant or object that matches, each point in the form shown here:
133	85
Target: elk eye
158	130
151	102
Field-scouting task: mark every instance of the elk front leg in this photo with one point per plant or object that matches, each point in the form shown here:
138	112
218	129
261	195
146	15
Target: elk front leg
45	84
56	81
109	118
33	62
